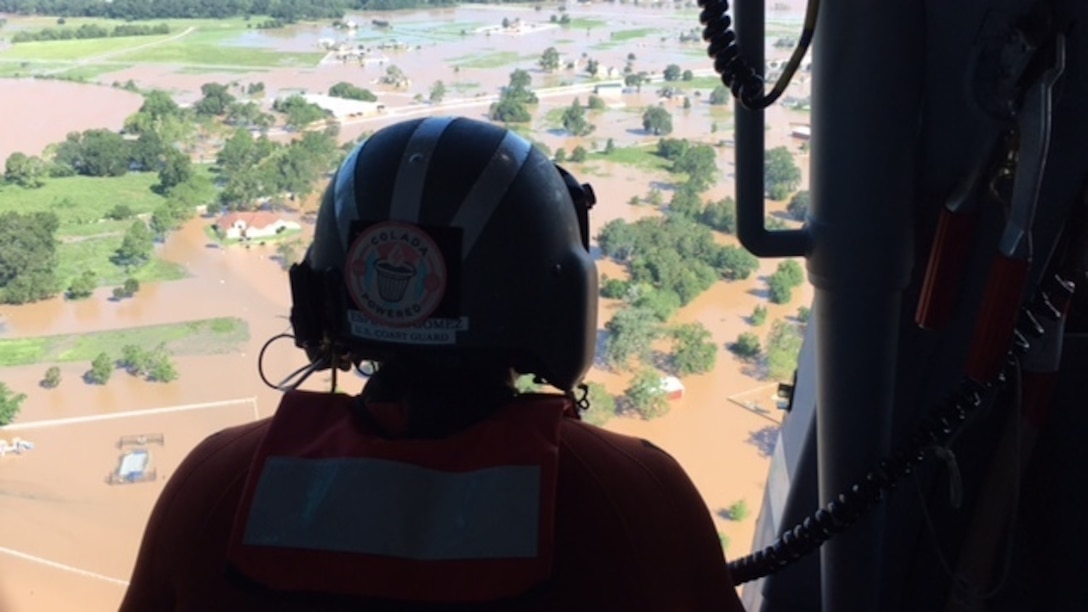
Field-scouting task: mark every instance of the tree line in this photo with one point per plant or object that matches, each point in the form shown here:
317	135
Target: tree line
284	10
89	30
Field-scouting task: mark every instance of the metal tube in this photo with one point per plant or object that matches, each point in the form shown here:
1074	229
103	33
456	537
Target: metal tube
867	82
749	127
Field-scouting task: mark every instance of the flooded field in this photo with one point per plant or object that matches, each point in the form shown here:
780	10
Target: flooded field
63	512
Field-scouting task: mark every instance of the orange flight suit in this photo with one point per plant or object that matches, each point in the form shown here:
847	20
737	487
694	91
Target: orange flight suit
619	526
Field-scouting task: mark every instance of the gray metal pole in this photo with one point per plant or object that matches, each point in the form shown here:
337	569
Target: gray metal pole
748	154
867	81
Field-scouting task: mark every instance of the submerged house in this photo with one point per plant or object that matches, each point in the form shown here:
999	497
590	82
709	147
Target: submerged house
255	224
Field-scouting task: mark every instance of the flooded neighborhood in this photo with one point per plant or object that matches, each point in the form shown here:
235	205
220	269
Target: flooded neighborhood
69	538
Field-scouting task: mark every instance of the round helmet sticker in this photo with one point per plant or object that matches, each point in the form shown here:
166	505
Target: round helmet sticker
395	274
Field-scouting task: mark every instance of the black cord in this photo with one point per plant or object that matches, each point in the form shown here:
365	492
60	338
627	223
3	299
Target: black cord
305	371
742	79
852	504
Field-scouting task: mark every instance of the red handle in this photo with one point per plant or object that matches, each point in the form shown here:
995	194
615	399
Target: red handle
947	260
997	319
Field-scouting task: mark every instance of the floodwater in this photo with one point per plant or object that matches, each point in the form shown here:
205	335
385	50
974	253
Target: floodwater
60	508
57	108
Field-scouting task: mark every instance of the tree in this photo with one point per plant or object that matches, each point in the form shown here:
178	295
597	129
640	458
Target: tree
783	347
700	163
176	169
786	277
735	263
614	288
158	104
95	152
578	155
52	378
10	404
120	212
657	121
595	103
549	60
631	333
687	75
574	120
747	346
719	96
803	314
686	201
798	206
593	67
343	89
238	152
602	406
83	286
694	352
721	215
127	290
28	256
738	510
300	113
781	174
136	247
646	394
135	360
759	315
609	147
663	303
24	170
162	368
217	98
101	370
438	92
672	72
560	155
147	152
511	107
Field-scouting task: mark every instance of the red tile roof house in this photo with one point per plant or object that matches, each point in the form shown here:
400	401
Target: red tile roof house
254	224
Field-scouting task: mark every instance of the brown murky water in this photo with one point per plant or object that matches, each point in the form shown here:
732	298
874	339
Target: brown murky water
55	503
58	107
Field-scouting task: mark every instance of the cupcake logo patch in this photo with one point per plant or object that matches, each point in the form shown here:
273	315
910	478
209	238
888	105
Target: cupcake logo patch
395	274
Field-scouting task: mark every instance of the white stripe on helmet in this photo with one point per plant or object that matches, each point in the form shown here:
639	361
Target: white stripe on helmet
408	189
489	189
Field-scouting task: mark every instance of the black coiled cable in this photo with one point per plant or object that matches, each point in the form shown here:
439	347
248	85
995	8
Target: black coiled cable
936	430
742	80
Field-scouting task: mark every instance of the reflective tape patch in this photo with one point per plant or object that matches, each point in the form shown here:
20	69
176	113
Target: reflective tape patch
381	507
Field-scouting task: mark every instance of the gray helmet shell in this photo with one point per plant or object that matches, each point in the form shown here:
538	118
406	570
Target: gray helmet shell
457	237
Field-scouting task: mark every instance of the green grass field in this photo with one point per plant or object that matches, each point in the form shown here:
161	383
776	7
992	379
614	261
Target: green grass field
184	51
204	337
585	23
217	70
95	253
625	35
87	240
639	157
77	49
79	200
82	200
491	60
203	45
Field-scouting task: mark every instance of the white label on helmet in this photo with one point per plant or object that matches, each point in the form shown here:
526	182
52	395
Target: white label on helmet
431	331
395	274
